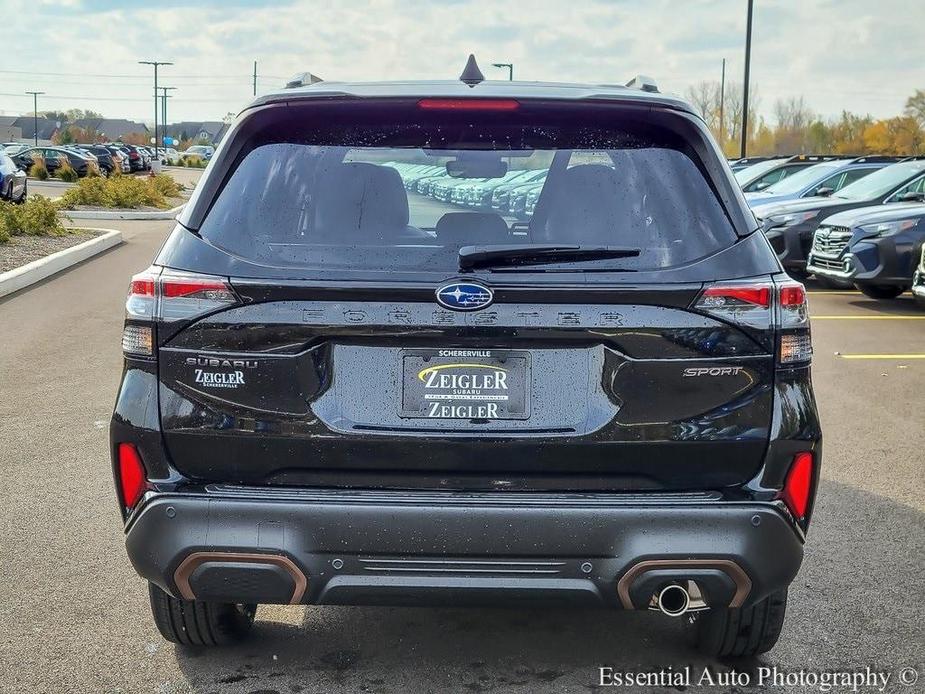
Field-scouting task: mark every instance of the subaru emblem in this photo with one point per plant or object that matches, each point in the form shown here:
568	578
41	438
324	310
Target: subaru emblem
464	296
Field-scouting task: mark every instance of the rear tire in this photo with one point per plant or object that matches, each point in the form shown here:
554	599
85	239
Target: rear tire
745	631
798	275
196	623
25	193
880	291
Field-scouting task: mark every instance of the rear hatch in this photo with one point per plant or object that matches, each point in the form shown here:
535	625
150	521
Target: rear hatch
320	324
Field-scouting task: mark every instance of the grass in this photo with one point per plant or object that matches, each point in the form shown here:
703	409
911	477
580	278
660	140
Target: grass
38	216
122	191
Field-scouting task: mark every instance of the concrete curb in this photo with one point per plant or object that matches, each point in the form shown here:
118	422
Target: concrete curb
123	214
51	183
21	277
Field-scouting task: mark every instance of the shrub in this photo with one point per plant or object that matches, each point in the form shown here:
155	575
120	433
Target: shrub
66	172
118	191
37	217
38	170
167	187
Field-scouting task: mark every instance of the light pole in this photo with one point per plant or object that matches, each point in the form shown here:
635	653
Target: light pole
510	69
164	98
748	64
156	64
35	116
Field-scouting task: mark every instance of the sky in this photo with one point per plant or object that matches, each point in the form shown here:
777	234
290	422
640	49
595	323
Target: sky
859	55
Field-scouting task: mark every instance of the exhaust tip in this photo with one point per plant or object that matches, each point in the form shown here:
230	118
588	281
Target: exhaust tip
673	600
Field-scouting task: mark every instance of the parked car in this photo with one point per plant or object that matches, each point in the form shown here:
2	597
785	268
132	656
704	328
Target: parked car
139	159
169	156
103	156
333	408
203	151
820	179
874	248
81	162
918	281
120	157
13	180
740	163
767	173
789	226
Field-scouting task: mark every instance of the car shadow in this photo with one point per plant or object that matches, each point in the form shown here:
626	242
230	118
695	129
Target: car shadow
849	607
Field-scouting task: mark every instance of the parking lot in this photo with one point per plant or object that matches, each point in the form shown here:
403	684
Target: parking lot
75	616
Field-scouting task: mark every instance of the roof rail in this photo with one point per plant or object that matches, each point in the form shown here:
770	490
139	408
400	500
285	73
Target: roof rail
876	158
643	83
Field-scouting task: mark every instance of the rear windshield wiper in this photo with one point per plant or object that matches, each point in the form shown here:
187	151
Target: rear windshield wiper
537	254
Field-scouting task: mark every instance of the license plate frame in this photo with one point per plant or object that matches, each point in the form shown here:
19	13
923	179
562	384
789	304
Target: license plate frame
427	393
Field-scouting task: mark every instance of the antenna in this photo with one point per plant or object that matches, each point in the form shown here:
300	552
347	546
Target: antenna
471	74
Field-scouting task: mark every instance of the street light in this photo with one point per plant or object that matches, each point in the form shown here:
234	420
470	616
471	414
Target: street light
155	63
35	116
164	98
510	69
748	64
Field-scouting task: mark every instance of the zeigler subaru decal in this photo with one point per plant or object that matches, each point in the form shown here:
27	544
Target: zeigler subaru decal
209	377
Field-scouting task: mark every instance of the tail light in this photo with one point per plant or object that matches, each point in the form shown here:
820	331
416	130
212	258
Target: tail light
760	304
132	477
798	486
168	295
796	345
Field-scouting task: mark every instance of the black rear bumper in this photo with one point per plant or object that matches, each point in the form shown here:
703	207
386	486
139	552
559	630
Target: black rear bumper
338	547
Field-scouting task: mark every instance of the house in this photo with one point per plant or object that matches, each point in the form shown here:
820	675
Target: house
8	130
204	131
46	128
112	129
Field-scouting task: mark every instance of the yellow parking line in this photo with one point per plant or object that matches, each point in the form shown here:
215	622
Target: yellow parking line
899	317
895	357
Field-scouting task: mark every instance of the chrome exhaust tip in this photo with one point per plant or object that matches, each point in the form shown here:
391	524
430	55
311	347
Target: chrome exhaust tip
673	600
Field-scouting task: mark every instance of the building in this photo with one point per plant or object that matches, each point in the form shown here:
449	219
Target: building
46	128
9	131
112	129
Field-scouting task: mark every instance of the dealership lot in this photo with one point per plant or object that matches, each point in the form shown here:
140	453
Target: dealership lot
75	615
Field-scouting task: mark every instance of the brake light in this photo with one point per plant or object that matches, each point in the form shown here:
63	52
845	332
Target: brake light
799	485
792	295
729	295
132	479
468	104
205	288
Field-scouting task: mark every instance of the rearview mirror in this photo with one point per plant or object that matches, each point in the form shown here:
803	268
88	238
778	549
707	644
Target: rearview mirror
762	185
911	196
824	191
476	165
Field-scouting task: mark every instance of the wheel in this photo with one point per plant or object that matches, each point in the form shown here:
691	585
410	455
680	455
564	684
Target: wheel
880	291
25	193
195	623
798	275
919	301
744	631
831	283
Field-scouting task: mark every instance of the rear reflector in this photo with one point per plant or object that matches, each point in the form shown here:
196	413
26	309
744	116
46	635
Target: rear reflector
799	484
469	104
132	482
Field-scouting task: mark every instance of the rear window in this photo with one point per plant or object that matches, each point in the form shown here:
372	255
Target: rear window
379	194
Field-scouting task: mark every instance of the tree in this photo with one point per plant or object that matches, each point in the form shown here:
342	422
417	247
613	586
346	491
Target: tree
915	106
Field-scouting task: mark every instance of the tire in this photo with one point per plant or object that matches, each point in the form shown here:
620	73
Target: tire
196	623
880	291
919	301
743	632
25	193
798	275
830	283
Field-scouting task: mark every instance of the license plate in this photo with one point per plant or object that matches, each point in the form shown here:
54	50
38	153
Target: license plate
469	384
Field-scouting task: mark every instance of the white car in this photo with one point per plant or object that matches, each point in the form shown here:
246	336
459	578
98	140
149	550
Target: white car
169	155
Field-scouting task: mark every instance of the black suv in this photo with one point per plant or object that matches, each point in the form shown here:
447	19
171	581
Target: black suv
789	226
337	391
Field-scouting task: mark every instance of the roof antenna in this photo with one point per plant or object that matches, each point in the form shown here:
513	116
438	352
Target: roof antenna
471	74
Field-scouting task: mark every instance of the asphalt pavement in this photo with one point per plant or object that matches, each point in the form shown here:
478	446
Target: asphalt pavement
74	617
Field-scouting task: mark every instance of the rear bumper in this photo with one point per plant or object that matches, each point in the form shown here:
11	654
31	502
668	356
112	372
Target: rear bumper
331	547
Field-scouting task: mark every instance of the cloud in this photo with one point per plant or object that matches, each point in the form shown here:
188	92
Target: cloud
850	54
